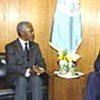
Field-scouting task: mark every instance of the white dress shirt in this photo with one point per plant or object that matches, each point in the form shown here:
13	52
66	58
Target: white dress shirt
23	43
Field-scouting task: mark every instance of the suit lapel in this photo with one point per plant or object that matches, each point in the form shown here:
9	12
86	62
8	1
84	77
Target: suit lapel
31	51
18	46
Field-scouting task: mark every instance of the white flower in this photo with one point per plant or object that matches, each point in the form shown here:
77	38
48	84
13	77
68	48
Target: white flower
74	56
63	62
70	64
67	62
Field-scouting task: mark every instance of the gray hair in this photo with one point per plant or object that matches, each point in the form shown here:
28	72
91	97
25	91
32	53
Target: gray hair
21	27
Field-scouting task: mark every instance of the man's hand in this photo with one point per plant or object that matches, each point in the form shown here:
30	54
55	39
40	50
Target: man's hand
37	70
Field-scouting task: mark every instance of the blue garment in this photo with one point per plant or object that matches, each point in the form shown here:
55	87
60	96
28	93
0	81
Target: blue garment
93	87
93	84
66	29
97	63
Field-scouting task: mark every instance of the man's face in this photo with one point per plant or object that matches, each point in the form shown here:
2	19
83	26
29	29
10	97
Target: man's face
27	34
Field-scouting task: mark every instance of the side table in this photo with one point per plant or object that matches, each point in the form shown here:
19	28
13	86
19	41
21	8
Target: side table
51	86
69	89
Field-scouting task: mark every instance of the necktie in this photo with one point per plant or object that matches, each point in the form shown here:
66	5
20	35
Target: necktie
27	51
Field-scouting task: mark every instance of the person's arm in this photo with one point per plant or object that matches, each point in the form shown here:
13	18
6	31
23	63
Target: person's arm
40	66
40	62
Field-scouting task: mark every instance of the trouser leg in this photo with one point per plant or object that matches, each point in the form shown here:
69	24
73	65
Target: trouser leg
36	87
21	89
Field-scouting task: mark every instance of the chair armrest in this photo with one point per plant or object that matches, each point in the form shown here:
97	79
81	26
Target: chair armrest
3	71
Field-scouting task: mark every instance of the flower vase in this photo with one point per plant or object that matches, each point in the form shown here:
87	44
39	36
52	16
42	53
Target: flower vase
72	68
62	67
62	70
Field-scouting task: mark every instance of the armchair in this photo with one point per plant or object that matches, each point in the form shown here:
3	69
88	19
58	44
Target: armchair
7	92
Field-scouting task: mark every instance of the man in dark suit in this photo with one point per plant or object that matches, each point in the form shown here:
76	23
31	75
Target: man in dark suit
25	61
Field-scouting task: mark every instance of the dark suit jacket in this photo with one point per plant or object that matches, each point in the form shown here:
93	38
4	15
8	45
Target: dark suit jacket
16	61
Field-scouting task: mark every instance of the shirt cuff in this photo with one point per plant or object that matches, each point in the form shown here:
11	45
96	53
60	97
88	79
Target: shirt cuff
27	73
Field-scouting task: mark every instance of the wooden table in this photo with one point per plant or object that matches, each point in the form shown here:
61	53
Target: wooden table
51	86
69	89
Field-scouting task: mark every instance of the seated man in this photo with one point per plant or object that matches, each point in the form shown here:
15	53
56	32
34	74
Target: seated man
25	61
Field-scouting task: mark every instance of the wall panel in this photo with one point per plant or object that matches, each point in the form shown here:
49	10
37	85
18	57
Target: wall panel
40	13
89	48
